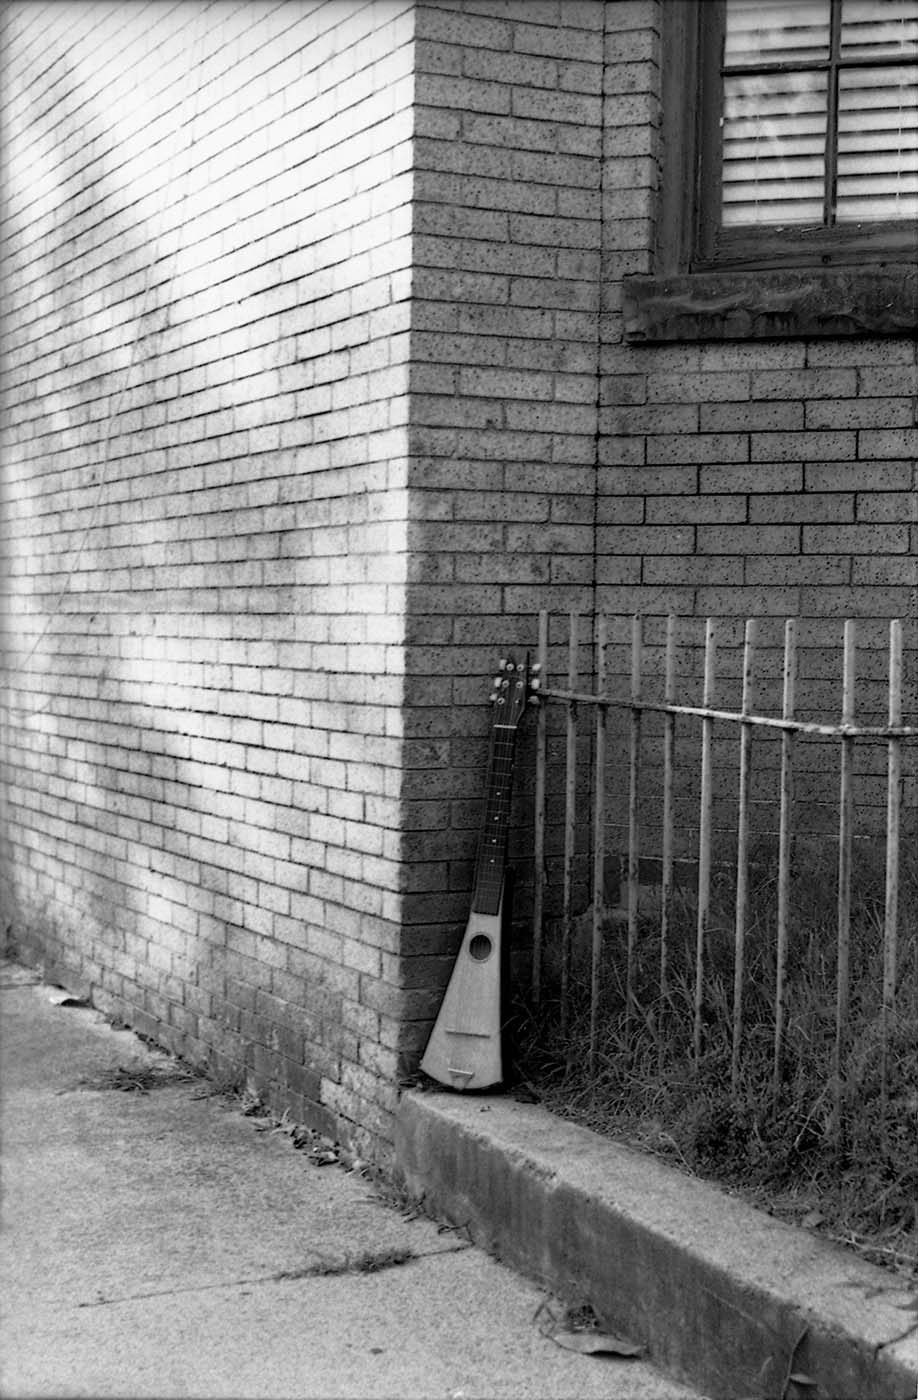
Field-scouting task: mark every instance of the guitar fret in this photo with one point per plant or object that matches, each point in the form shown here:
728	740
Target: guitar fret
492	845
492	853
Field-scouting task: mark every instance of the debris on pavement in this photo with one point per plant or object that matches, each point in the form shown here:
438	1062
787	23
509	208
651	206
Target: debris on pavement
59	996
578	1330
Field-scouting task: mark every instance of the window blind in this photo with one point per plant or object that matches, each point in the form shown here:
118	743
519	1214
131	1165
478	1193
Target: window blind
776	31
790	71
877	144
774	141
879	30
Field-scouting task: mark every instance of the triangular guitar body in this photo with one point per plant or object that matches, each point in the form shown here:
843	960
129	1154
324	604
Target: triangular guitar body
464	1050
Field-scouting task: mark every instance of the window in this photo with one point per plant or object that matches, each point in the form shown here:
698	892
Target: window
809	139
790	135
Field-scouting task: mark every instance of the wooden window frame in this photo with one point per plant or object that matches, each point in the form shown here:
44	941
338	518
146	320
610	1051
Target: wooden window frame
740	283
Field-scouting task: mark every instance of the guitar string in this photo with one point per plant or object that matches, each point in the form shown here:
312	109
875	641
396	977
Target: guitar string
489	878
489	870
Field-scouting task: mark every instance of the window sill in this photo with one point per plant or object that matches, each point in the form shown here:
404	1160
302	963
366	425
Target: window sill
772	305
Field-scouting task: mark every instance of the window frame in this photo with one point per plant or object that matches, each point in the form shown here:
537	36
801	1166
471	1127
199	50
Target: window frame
771	245
848	280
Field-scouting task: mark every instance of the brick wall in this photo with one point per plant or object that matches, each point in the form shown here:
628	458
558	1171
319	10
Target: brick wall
503	397
206	275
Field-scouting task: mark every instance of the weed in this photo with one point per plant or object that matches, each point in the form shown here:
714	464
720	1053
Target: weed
367	1262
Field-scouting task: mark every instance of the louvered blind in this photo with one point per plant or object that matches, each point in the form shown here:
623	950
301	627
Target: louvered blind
879	29
878	144
774	148
820	112
779	31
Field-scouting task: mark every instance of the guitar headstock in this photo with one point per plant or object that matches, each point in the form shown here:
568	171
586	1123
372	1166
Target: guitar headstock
515	687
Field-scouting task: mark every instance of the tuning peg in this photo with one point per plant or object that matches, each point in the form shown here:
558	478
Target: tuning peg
535	683
503	664
533	700
498	680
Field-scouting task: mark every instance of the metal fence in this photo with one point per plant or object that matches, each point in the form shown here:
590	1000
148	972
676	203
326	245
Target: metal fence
587	712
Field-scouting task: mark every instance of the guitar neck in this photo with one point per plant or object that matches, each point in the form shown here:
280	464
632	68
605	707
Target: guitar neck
495	826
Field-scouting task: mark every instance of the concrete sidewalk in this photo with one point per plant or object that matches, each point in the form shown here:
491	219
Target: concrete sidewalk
165	1244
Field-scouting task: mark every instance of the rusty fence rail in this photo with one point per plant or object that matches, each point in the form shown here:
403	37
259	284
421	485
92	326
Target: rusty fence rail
567	691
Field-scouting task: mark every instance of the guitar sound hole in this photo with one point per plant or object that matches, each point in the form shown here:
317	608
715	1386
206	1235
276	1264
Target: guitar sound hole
480	947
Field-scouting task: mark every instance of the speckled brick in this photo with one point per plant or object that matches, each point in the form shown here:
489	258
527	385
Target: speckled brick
186	456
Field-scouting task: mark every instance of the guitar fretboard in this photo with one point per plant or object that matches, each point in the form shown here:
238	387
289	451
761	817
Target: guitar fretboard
492	846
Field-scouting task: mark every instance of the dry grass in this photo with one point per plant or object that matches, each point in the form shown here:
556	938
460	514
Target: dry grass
366	1262
856	1181
141	1076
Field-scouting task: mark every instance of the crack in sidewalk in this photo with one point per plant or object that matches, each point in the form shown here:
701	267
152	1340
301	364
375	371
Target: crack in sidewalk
365	1263
893	1341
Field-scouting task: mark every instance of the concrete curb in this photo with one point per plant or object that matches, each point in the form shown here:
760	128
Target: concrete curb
722	1295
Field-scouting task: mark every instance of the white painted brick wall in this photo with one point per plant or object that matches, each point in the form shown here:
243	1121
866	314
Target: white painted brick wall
207	264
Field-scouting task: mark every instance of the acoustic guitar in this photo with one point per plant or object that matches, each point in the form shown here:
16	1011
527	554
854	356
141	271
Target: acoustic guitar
464	1049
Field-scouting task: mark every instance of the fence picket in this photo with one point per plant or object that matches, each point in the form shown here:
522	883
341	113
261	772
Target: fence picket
538	891
599	822
785	839
893	815
742	853
570	823
669	774
845	853
634	778
704	830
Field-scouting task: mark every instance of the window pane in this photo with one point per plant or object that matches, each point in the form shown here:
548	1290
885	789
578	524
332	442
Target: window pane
878	143
774	135
776	31
879	29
